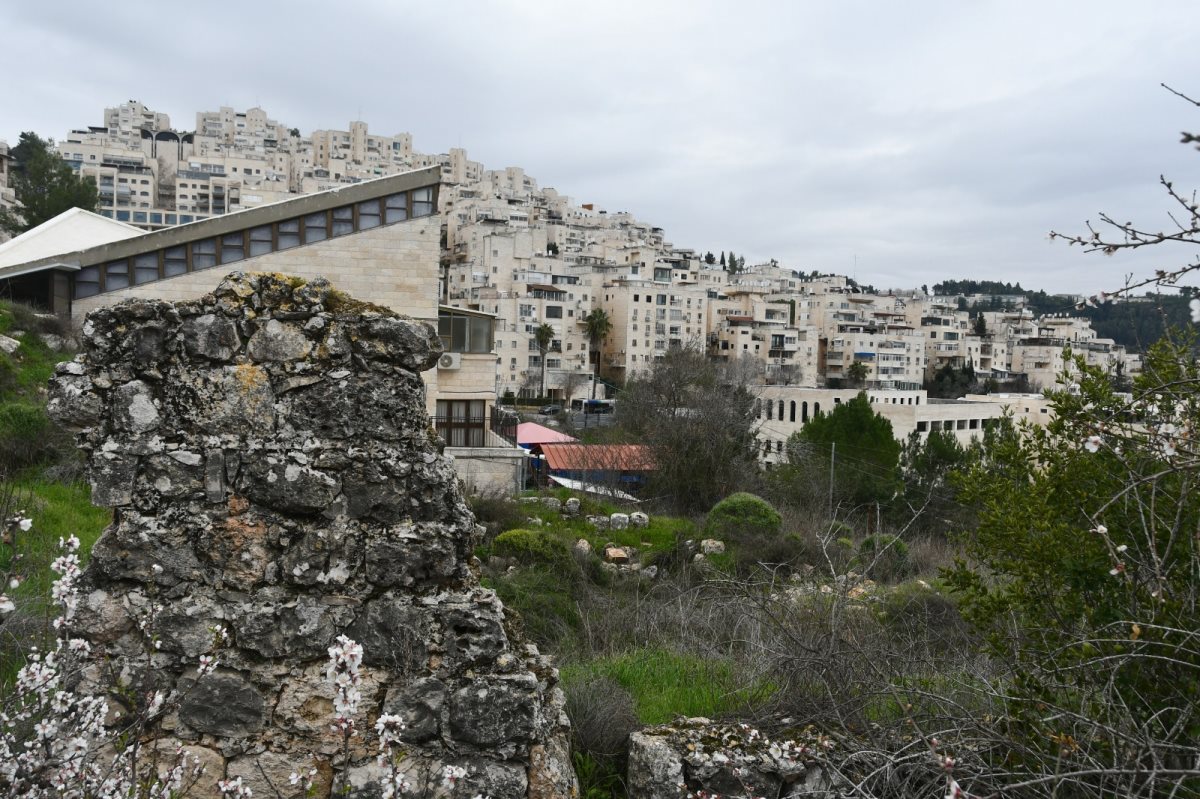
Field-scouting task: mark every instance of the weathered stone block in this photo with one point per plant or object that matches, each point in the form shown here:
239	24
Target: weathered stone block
223	704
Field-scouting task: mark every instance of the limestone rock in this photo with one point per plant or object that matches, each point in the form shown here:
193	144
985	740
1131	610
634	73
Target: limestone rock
618	521
711	546
266	452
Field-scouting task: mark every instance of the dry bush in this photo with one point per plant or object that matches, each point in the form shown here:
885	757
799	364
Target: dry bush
602	717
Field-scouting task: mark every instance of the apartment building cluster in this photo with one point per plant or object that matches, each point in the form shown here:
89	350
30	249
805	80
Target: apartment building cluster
152	175
531	256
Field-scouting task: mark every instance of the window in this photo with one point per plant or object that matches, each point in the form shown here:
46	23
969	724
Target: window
233	247
145	267
116	275
260	240
396	208
87	282
554	312
368	214
287	234
315	228
174	261
343	220
422	202
461	422
204	254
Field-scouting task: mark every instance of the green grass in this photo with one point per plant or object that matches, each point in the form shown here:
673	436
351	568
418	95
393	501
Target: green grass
665	684
58	510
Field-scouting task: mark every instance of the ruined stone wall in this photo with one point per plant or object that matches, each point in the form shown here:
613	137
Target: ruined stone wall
271	469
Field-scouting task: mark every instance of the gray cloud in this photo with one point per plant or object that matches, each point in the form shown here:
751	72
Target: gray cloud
920	141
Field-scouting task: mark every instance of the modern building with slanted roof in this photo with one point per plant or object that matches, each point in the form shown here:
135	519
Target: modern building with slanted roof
377	241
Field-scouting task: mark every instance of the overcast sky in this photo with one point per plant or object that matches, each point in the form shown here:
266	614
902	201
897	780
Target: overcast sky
903	143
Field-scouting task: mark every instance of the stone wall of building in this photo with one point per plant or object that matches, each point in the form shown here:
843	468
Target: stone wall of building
392	265
266	451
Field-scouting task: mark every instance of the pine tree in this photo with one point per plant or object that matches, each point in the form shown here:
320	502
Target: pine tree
44	186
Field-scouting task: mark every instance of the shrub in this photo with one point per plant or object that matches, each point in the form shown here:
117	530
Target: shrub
884	557
26	437
497	513
602	715
740	516
532	547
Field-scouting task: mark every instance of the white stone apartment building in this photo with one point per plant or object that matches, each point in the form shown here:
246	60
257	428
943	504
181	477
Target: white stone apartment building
525	254
783	410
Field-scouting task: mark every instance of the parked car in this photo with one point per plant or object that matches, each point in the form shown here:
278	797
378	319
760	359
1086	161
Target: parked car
550	410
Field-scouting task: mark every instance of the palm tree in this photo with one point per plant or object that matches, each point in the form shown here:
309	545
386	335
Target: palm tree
542	337
597	325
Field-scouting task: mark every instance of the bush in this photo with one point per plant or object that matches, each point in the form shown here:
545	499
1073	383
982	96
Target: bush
532	547
497	513
884	557
602	716
26	437
741	516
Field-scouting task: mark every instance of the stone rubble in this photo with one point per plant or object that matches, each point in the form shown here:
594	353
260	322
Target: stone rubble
270	464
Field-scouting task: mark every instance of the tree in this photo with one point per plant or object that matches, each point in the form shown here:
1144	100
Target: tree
981	328
699	424
857	373
1086	548
44	186
857	444
709	258
542	336
551	248
597	325
723	265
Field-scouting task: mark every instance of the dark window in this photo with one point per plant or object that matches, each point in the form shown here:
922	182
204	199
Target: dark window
368	214
461	422
174	261
87	282
422	202
260	240
288	234
554	312
233	247
343	220
145	267
792	416
204	254
396	208
315	227
116	275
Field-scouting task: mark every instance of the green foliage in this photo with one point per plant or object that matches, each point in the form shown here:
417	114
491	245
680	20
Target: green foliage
531	547
951	383
24	430
44	185
742	515
1086	544
884	557
865	459
543	603
927	464
857	372
666	684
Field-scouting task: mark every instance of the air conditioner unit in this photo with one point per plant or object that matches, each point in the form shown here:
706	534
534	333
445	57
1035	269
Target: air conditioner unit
450	360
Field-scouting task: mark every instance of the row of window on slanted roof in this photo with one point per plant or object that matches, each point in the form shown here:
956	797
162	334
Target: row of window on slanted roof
249	243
